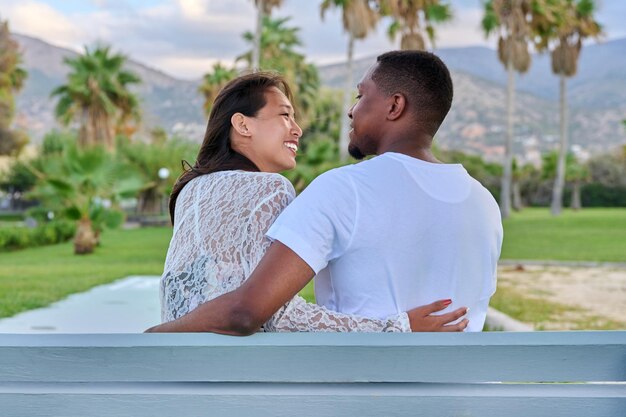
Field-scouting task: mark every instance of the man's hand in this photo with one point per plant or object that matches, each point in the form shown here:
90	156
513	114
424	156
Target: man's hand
422	319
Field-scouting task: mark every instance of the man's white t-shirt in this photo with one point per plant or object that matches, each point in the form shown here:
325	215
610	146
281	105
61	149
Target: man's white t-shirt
395	232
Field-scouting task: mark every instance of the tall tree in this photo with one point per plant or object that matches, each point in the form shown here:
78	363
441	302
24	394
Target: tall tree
97	95
213	82
509	19
562	25
359	19
263	10
12	77
278	43
577	174
414	20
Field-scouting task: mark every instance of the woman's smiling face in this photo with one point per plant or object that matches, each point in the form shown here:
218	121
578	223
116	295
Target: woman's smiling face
274	134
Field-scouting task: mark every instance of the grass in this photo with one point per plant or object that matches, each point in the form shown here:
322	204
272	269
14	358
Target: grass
587	235
11	217
36	277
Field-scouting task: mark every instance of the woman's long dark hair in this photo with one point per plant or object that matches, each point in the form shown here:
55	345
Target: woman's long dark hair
245	95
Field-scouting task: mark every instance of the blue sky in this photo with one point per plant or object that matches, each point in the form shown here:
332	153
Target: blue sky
185	37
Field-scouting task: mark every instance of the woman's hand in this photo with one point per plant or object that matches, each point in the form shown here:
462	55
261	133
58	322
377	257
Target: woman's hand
422	319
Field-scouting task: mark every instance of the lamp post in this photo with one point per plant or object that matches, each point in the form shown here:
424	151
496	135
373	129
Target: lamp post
163	174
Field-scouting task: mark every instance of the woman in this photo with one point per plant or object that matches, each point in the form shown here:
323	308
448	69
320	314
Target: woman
222	207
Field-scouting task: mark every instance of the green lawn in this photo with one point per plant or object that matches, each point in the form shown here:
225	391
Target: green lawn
36	277
586	235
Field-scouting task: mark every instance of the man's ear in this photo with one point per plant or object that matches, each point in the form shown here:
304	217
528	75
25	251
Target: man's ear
238	122
397	106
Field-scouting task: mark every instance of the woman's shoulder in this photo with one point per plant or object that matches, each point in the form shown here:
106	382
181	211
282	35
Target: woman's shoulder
246	182
266	181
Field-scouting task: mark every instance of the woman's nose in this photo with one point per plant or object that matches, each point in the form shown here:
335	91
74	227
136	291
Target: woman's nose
296	129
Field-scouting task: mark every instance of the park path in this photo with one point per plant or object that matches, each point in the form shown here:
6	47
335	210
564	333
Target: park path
128	305
592	293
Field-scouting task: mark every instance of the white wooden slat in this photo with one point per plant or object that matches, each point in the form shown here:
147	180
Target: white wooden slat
446	400
554	356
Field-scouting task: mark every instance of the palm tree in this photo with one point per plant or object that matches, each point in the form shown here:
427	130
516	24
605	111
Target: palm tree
509	19
564	24
263	10
97	95
12	77
359	19
577	174
414	20
213	82
278	43
85	184
158	166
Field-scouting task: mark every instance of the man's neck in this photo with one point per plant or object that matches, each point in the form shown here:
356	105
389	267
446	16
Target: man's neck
412	148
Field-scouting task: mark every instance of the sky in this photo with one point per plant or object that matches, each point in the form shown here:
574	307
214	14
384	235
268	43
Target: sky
184	38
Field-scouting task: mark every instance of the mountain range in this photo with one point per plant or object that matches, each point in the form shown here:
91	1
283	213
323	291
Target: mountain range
476	123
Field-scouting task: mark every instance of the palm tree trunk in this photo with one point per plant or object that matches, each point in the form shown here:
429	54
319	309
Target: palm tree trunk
83	133
517	196
576	200
256	51
150	201
347	103
505	193
557	191
85	239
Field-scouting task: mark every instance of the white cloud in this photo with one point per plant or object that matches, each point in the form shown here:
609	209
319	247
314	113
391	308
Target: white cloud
464	30
193	9
40	20
185	37
186	67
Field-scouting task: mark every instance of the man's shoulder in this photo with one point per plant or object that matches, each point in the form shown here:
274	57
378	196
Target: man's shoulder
485	197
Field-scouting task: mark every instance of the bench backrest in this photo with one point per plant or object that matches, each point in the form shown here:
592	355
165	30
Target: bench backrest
474	374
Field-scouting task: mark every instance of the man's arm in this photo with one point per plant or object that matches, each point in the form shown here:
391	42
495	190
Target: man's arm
278	277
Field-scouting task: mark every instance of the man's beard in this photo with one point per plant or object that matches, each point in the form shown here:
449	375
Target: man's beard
355	152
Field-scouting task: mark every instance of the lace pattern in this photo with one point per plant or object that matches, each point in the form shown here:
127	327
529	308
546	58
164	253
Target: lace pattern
219	238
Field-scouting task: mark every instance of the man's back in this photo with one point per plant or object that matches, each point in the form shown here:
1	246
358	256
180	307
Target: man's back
395	232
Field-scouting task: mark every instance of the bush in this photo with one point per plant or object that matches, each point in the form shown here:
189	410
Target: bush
14	238
598	195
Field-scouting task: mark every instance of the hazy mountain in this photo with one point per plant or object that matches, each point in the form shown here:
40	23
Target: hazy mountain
476	122
599	83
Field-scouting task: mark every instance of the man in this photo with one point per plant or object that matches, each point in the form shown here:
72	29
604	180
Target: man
384	235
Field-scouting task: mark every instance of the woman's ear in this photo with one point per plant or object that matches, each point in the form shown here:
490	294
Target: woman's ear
238	122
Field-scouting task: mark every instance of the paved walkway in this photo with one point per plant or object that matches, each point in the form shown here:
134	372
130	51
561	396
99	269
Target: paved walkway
129	305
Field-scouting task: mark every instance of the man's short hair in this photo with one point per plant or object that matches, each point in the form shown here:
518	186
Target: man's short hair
422	78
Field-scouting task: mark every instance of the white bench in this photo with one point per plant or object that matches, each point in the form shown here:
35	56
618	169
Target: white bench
539	373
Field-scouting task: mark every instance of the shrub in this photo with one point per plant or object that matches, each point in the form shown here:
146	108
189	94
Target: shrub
14	238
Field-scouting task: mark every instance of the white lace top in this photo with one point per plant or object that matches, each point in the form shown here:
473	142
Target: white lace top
219	238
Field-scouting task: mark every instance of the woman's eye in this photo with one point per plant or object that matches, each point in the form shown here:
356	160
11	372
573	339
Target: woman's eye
358	96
